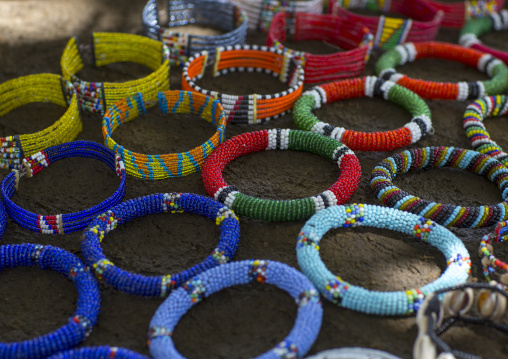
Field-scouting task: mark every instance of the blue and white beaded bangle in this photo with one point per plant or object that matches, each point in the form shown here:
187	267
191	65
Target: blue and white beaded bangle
295	345
158	286
80	325
100	352
374	302
61	223
353	353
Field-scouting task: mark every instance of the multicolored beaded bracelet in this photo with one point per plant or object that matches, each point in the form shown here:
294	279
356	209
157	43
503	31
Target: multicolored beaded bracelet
353	353
295	345
369	86
447	215
107	48
457	13
360	299
80	325
281	139
489	262
251	108
37	88
401	54
158	286
155	167
61	223
217	13
354	39
100	352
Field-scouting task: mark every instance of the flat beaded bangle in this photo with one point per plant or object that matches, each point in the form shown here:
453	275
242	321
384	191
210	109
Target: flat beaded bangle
37	88
448	215
101	352
108	48
283	139
155	167
353	353
456	14
360	299
295	345
219	13
492	265
251	108
495	68
369	86
80	325
152	286
69	222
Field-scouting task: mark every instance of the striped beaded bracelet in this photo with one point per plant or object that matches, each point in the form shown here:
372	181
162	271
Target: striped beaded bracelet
80	325
353	353
217	13
495	68
161	286
457	13
69	222
251	108
281	139
295	345
37	88
369	86
107	48
100	352
492	265
155	167
447	215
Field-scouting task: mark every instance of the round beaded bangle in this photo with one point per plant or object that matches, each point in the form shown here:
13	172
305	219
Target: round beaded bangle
80	325
353	353
251	108
155	167
151	286
448	215
37	88
101	352
218	13
360	299
355	40
295	345
107	48
61	223
283	139
369	86
385	68
489	262
457	13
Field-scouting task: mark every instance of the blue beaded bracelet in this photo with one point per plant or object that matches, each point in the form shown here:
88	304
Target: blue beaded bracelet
152	286
3	219
61	223
375	302
100	352
80	325
295	345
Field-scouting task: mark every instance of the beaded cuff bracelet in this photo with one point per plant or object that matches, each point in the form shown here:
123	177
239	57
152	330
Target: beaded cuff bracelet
107	48
369	86
295	345
101	352
61	223
355	40
353	353
495	68
448	215
161	286
80	325
357	298
281	139
491	264
219	13
37	88
251	108
457	13
422	25
154	167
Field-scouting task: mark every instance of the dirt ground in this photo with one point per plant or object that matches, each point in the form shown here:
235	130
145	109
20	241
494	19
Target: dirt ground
239	322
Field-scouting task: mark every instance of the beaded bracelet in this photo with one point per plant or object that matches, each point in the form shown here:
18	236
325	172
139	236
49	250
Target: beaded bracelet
353	353
155	167
218	13
422	25
107	48
457	13
489	262
282	139
495	68
100	352
61	223
360	299
369	86
295	345
355	40
251	108
448	215
80	325
37	88
151	286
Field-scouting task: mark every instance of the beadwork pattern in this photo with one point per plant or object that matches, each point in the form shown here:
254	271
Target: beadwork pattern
493	266
457	13
100	352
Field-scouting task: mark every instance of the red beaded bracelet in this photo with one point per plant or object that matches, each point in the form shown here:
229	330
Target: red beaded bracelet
456	14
